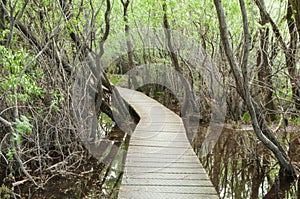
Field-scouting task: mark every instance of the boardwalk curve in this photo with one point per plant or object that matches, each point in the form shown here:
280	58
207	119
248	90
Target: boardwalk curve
160	161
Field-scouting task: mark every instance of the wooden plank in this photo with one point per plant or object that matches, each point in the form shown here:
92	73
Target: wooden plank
160	128
160	162
173	189
164	164
172	150
159	156
147	191
161	159
157	143
168	133
166	182
149	195
166	169
171	176
159	136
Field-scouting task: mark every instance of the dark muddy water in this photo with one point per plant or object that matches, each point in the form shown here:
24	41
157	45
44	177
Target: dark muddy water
241	167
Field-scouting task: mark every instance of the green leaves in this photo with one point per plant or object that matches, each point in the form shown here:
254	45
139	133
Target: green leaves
19	78
114	79
246	118
22	127
57	98
10	155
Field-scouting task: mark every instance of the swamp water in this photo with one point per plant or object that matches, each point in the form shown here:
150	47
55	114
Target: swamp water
241	167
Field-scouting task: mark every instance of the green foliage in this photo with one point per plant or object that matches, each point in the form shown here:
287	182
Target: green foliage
246	118
295	120
10	154
159	93
16	80
5	192
285	93
106	122
57	98
22	127
114	79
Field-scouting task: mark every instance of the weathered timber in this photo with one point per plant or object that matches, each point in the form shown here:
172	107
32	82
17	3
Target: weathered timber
160	161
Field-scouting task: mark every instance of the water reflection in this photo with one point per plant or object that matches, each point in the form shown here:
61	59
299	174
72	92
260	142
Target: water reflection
241	167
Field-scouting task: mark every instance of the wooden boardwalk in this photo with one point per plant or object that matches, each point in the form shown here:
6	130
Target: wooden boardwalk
160	162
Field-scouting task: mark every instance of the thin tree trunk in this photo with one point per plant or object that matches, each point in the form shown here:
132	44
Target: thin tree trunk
129	46
265	70
290	56
2	14
289	51
280	186
258	122
298	188
188	98
295	6
258	174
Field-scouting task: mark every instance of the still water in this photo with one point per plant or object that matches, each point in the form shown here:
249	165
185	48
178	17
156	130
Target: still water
241	167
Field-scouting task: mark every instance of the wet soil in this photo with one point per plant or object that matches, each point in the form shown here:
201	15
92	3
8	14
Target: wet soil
82	180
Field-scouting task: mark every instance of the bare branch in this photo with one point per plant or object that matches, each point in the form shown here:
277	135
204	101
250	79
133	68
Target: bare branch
274	26
5	122
258	122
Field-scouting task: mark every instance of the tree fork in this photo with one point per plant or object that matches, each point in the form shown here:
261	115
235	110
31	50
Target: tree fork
174	58
289	51
258	123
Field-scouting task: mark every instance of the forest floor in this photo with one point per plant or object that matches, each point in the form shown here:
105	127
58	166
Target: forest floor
82	181
78	183
85	181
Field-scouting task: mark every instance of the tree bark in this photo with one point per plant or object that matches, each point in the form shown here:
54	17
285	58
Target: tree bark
129	46
188	101
242	85
265	70
290	56
289	51
2	15
295	6
280	186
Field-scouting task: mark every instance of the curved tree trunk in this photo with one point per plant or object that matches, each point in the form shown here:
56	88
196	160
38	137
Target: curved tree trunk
189	102
265	70
289	50
261	129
